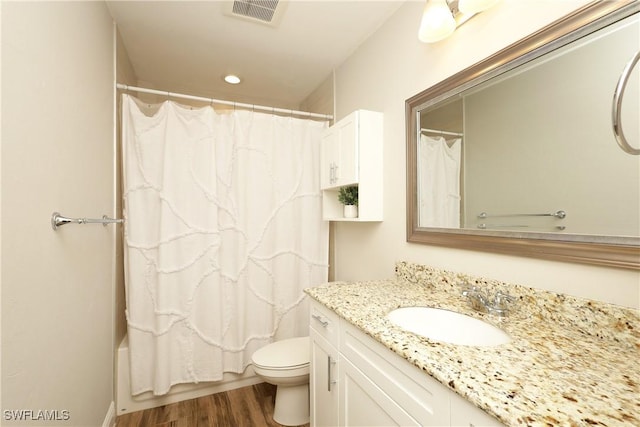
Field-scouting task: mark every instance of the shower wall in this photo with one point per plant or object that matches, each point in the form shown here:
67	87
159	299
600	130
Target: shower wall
125	75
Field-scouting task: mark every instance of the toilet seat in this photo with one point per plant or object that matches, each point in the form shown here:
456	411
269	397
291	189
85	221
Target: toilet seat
287	354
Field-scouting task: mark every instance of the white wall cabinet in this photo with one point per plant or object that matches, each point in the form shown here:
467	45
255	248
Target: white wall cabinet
340	153
376	387
351	154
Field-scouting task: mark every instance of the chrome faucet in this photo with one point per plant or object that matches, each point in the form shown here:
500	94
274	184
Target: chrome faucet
476	297
499	305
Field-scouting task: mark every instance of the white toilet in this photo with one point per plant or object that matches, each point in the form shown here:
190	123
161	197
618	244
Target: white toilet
285	364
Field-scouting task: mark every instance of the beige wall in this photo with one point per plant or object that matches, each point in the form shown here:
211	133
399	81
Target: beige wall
57	155
321	99
392	66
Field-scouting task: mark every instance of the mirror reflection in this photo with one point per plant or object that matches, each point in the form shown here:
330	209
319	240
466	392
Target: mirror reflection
532	150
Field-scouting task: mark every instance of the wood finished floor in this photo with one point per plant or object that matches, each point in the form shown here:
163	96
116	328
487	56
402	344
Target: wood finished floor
248	406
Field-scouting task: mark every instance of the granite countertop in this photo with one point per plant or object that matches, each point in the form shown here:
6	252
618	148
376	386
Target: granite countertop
571	361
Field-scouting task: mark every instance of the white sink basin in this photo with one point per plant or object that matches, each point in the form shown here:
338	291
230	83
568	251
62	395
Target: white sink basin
448	326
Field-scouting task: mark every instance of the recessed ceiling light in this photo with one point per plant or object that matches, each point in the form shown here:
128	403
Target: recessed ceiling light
231	79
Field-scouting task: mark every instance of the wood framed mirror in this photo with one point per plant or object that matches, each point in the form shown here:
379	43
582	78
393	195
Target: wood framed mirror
538	189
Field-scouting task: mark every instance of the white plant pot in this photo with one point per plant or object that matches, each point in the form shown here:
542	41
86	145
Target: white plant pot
350	211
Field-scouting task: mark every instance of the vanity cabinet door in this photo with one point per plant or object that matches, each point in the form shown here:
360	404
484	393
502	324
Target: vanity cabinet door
323	387
365	404
380	380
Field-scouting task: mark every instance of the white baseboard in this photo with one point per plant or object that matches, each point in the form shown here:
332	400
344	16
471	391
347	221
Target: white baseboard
110	418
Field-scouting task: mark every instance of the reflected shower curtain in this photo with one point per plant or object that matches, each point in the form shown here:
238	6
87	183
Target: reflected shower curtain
223	231
439	182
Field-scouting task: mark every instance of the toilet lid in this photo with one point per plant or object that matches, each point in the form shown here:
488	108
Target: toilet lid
287	353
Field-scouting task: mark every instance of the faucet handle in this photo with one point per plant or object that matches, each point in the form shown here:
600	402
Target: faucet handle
501	298
501	301
469	289
476	297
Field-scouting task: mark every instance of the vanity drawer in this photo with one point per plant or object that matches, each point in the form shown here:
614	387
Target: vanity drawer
325	322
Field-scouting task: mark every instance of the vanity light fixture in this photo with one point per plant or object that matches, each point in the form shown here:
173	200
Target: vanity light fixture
441	17
232	79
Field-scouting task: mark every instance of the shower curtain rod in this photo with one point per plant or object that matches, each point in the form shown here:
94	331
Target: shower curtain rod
219	101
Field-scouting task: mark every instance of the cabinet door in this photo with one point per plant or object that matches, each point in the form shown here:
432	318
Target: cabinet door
347	144
417	394
324	394
365	404
339	155
329	157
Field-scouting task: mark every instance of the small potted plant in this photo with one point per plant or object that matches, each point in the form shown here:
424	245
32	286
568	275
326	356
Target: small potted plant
348	196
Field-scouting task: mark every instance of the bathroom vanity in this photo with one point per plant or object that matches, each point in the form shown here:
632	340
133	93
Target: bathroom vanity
569	362
356	381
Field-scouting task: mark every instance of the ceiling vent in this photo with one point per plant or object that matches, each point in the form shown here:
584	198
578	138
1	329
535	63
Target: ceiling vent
263	11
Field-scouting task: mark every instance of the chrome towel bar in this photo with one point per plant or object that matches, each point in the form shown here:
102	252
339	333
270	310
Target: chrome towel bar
57	220
617	107
558	214
484	226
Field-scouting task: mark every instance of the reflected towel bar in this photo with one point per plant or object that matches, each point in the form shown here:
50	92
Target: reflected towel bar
616	110
488	226
57	220
558	214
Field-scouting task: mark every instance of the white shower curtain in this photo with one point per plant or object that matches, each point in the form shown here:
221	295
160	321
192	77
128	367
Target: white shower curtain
439	182
223	231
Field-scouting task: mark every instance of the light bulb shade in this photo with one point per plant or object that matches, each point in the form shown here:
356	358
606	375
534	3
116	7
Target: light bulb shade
232	79
437	22
475	6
